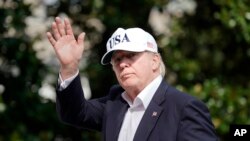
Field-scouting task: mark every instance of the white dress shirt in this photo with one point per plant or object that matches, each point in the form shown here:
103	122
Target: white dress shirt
63	84
136	110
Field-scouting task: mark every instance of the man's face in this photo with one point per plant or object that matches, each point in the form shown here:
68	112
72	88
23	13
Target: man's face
134	70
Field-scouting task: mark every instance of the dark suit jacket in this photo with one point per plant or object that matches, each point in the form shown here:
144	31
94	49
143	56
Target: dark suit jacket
170	116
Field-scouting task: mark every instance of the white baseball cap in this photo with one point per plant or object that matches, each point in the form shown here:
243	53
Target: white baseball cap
131	39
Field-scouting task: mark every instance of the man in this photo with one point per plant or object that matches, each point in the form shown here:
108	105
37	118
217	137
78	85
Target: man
142	107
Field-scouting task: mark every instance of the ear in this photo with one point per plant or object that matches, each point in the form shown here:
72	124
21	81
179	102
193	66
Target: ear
156	61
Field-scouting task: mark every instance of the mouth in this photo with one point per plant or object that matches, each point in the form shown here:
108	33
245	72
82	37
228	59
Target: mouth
126	75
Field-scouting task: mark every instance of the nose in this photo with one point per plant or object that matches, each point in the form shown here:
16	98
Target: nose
124	63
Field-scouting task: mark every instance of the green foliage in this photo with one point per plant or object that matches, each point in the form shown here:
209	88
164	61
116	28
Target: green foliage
22	113
207	55
235	15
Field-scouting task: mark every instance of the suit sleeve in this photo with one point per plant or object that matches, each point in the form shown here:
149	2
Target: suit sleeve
75	110
195	124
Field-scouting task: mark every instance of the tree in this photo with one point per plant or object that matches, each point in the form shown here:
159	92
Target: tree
205	45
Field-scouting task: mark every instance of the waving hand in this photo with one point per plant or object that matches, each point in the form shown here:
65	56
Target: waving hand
68	49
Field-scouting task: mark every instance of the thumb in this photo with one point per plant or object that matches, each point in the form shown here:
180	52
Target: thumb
80	39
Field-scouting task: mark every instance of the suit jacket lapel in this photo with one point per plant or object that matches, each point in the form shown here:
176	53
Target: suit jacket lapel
115	114
148	122
151	114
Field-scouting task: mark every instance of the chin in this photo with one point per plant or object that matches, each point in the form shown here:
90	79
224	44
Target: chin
129	84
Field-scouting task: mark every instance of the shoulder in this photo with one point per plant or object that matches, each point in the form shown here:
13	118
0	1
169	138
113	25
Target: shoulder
115	92
172	93
185	105
179	95
180	99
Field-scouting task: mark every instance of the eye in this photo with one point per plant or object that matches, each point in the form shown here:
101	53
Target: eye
118	59
115	60
131	55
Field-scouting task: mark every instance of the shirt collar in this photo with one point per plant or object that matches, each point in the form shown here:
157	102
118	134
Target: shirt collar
145	96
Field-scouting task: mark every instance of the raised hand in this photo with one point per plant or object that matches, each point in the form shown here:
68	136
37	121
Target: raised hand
68	50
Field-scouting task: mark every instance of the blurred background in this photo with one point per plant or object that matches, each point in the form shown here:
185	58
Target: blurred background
204	43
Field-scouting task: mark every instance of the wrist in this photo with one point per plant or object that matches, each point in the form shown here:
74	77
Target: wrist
67	72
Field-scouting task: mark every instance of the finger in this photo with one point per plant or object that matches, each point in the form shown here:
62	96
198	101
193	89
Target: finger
80	39
68	27
51	39
55	31
60	26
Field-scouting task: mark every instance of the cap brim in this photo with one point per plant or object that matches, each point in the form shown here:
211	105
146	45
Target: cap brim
125	47
107	57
